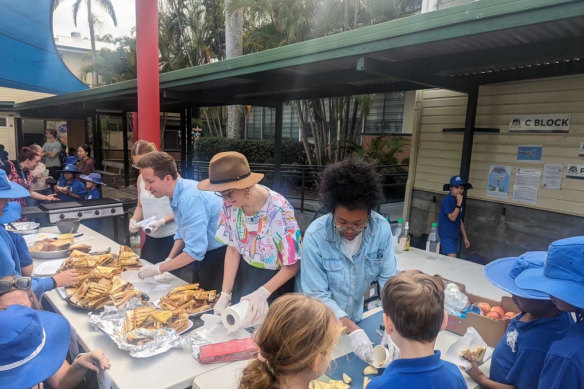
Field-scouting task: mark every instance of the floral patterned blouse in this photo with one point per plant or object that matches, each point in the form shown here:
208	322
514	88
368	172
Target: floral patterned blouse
267	240
20	177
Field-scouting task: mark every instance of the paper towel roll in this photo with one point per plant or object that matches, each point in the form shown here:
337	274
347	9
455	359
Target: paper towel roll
234	317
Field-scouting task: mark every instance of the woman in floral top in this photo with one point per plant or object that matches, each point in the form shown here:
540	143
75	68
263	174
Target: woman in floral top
262	235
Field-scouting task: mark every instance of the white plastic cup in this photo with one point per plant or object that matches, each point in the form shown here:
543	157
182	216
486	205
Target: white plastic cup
379	356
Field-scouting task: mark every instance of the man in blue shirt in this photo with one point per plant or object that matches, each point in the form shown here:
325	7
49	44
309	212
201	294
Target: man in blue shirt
348	248
413	315
450	224
196	214
562	278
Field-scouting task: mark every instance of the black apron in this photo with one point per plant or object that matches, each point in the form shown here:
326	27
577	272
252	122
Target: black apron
249	278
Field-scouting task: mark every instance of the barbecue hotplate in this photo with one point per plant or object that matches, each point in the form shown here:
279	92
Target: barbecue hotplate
56	206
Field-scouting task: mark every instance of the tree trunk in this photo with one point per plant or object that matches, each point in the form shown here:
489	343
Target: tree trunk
92	39
302	127
233	48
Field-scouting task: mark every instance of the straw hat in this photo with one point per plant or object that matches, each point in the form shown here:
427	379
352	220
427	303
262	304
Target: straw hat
229	170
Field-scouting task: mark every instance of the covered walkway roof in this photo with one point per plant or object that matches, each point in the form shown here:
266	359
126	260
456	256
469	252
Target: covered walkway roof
458	48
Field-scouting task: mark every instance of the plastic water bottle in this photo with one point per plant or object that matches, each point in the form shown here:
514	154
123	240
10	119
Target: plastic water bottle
433	242
404	238
396	233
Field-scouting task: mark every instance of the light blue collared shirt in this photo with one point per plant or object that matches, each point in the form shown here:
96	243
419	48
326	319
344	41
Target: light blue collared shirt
330	275
196	213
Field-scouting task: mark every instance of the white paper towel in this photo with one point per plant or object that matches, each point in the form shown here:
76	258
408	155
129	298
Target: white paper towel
234	317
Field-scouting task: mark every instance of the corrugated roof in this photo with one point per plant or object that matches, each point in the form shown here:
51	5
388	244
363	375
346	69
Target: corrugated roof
476	43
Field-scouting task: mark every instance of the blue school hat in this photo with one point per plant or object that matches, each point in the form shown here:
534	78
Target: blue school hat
68	168
71	160
457	181
563	274
33	346
9	189
12	212
503	272
93	177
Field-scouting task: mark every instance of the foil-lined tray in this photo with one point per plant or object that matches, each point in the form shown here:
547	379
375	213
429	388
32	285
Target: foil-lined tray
111	322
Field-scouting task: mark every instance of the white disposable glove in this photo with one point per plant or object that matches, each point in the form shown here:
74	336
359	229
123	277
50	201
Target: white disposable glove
133	227
222	303
147	271
361	345
393	352
156	224
258	305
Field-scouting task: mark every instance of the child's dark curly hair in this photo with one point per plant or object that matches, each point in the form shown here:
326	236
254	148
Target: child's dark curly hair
352	184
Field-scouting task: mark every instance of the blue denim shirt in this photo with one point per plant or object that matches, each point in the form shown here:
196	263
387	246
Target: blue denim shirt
196	214
334	278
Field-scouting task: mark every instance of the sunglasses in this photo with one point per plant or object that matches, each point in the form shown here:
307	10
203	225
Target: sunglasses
225	194
21	283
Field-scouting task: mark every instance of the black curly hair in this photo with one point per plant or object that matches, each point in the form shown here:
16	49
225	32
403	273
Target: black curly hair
352	184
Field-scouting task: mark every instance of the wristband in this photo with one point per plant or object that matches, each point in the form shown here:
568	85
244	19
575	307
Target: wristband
459	207
75	360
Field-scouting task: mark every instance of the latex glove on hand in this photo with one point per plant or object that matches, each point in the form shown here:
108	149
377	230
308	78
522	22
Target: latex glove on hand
258	305
133	227
361	345
393	352
156	224
147	271
222	303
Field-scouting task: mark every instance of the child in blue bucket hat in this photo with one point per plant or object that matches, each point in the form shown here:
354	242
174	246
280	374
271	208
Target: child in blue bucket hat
70	189
562	278
92	180
450	224
523	348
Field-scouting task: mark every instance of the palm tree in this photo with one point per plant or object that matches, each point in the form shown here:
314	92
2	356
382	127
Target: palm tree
108	7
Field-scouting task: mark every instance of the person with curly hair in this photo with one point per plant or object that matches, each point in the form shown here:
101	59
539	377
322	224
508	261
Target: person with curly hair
348	248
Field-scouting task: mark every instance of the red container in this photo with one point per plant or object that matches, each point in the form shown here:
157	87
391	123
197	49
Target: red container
233	350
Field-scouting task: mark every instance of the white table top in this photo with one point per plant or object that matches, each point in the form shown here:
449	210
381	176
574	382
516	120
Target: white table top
468	273
174	369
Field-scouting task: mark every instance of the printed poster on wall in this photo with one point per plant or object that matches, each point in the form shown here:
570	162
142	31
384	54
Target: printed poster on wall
498	182
526	185
529	153
575	171
555	122
552	175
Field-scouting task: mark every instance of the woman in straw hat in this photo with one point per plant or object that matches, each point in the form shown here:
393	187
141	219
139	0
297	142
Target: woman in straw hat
259	228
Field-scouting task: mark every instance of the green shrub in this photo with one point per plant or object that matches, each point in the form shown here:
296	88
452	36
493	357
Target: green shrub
255	150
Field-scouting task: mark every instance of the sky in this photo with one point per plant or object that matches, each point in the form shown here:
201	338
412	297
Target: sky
125	13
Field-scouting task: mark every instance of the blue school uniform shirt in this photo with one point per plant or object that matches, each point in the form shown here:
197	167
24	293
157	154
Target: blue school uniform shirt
448	229
564	364
520	354
75	187
92	194
429	372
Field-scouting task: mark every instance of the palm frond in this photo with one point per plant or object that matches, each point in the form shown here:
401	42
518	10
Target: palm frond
76	6
109	8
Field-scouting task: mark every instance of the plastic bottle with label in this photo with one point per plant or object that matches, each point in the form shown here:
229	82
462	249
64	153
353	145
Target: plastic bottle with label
404	238
396	233
433	242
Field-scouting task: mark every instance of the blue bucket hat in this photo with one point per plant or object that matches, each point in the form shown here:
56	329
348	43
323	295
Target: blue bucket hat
33	346
563	274
9	189
93	177
71	160
457	181
12	212
503	273
68	168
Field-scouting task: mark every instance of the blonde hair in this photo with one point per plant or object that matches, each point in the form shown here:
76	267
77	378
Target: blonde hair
142	147
34	301
296	332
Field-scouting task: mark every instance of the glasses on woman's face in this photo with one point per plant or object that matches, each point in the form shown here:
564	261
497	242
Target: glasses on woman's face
22	283
225	194
352	228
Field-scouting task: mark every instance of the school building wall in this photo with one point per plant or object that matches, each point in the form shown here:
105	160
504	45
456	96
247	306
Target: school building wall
501	226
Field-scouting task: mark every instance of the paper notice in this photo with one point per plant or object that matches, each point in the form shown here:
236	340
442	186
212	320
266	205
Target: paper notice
498	181
526	185
552	176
